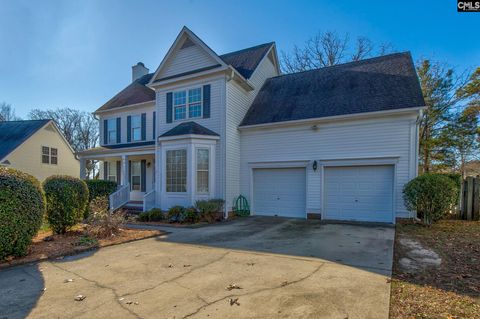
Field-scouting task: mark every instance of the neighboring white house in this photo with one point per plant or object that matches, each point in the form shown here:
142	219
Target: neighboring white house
38	148
338	142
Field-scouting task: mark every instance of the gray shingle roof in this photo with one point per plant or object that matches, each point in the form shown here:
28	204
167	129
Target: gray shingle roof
246	61
14	133
136	92
378	84
189	128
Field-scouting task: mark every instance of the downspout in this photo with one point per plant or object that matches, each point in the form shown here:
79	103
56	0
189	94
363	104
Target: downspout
229	77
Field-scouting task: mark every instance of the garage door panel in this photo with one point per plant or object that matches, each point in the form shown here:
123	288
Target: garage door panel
279	192
363	193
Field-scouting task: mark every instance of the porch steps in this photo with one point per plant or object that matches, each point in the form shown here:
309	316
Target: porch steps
133	207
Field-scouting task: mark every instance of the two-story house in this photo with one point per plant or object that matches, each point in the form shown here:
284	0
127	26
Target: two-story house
337	142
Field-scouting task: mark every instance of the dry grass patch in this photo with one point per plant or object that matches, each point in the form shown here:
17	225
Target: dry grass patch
450	290
48	245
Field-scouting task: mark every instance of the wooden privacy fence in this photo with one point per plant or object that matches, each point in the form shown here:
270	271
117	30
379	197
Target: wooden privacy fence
470	199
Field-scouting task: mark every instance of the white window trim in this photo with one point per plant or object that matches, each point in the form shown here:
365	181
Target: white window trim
187	104
114	120
186	171
208	171
132	128
49	155
139	175
52	156
109	165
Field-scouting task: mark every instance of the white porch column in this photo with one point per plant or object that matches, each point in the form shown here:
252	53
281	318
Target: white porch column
124	173
83	168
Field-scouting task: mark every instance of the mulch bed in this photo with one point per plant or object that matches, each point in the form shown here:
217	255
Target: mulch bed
71	243
451	290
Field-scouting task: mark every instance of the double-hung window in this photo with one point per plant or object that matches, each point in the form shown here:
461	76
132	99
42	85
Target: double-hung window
187	104
112	171
137	128
203	162
49	155
176	171
112	131
136	175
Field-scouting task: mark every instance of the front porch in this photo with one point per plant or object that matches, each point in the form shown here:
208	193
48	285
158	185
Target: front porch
133	170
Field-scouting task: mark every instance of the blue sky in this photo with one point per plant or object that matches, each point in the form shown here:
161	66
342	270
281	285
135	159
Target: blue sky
79	53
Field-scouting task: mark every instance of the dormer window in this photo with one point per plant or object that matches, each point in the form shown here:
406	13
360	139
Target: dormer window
137	128
112	131
187	104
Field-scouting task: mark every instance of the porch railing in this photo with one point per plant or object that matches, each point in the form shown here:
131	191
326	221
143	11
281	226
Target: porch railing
120	197
149	200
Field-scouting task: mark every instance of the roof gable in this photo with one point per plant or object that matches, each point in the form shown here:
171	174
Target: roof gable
379	84
188	54
246	61
14	133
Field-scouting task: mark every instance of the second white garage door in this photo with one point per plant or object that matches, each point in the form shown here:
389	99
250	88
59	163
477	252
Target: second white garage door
361	193
279	192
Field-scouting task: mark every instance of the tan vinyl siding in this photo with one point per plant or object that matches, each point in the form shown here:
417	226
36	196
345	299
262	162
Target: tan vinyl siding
28	156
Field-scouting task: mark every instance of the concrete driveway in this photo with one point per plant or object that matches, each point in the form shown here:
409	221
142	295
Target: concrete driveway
286	269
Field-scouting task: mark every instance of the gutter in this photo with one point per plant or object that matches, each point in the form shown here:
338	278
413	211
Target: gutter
332	118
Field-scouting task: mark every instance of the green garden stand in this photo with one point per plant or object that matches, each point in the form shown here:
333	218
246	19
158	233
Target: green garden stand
241	207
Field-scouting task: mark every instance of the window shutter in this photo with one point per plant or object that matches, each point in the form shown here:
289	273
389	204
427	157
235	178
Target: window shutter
129	128
119	129
206	101
143	172
119	179
169	107
144	126
154	124
130	173
105	170
105	132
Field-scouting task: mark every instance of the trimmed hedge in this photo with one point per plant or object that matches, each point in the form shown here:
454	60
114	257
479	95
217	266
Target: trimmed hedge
431	196
22	207
100	188
67	200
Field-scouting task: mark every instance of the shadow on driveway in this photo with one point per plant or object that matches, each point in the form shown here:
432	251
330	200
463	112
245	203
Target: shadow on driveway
369	247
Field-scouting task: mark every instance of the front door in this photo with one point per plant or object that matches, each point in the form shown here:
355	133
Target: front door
136	180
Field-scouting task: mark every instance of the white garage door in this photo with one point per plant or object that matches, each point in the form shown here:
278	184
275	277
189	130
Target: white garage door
361	193
279	192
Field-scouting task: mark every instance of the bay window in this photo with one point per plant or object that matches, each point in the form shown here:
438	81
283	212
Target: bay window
203	162
176	176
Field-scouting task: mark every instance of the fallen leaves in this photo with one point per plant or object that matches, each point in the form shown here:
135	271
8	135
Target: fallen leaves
232	286
233	301
80	298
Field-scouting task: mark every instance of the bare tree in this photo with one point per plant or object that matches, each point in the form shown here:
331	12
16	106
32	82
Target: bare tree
327	49
7	113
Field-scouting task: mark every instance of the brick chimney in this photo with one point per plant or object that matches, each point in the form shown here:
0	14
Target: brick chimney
138	71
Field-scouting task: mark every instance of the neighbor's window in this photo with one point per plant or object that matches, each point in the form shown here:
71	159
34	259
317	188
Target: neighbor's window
194	105
136	128
53	156
49	155
136	175
202	170
112	131
112	171
177	171
45	155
